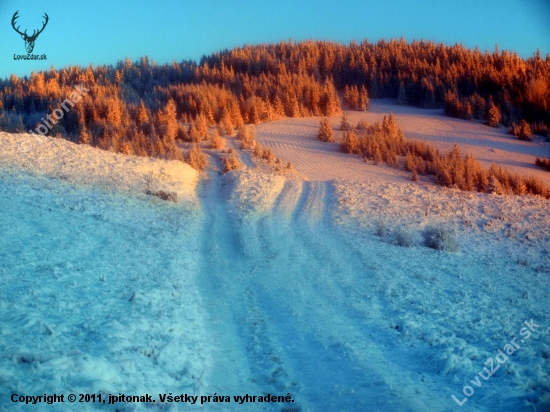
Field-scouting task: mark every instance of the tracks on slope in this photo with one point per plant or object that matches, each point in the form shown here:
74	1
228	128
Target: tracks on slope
293	309
246	359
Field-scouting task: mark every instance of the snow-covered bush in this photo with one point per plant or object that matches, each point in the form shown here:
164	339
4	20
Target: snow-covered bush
196	158
268	155
440	238
404	237
216	141
380	228
247	137
258	150
231	162
161	194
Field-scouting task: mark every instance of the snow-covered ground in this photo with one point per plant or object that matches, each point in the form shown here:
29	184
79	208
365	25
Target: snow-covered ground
254	283
85	165
98	293
296	140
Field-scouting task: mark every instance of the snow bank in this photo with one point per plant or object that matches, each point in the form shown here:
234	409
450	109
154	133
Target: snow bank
84	165
252	195
255	193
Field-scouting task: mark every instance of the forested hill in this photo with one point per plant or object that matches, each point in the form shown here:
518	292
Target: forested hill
142	107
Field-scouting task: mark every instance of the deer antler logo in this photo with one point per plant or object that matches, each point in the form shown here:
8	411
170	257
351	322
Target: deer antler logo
29	40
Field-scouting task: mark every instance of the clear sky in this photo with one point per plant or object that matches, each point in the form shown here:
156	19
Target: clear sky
103	32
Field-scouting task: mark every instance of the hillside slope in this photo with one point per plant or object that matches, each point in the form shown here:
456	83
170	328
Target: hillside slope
255	283
296	140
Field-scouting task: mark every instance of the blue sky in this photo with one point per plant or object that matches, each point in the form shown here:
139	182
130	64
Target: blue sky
103	32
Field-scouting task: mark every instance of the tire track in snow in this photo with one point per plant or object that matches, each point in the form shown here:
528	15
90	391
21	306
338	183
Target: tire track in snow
292	311
219	250
297	317
308	305
247	360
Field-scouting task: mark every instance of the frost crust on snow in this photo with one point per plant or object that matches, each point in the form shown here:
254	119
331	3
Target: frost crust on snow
308	273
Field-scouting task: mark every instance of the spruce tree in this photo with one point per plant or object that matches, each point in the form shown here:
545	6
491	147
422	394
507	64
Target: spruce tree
84	137
20	126
254	115
142	116
492	118
495	187
194	134
363	99
196	158
247	137
126	148
353	98
160	150
377	155
468	114
294	107
402	95
482	181
330	98
480	107
444	177
347	95
168	122
410	162
201	126
518	184
216	142
344	124
278	108
524	132
351	143
325	131
226	123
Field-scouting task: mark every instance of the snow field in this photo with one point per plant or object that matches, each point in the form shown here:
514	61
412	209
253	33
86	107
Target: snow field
296	140
254	284
462	307
97	295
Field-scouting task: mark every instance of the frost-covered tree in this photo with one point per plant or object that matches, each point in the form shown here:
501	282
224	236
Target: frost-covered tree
402	94
493	116
351	143
325	131
364	101
344	124
524	132
495	187
247	137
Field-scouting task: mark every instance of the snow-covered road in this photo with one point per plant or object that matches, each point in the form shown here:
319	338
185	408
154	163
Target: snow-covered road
286	281
336	318
260	289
